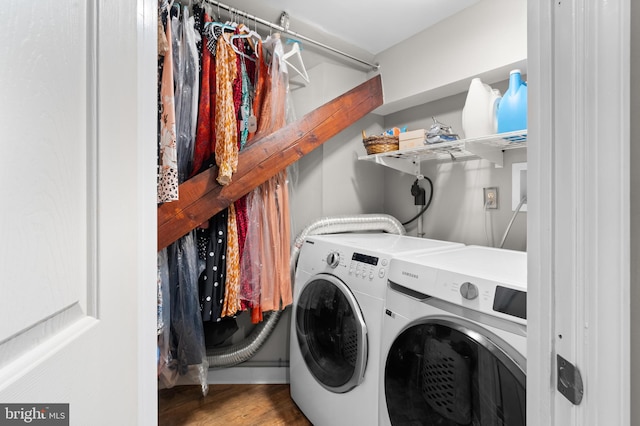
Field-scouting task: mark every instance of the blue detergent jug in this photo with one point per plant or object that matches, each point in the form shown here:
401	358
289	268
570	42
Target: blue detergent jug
512	109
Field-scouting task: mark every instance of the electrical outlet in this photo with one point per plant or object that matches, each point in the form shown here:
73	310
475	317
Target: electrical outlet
491	198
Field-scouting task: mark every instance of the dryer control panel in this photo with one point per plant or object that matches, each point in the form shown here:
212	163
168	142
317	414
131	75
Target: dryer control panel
483	279
501	300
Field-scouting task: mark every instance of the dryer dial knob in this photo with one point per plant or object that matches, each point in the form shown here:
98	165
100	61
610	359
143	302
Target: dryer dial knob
333	259
469	291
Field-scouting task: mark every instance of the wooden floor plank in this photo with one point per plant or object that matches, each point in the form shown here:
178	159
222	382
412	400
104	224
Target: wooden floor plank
229	405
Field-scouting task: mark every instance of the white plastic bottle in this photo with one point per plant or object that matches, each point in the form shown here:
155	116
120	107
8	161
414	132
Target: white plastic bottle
479	115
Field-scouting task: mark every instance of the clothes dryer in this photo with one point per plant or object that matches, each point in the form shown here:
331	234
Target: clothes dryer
454	339
336	323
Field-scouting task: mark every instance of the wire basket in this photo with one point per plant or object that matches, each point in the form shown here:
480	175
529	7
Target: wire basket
379	144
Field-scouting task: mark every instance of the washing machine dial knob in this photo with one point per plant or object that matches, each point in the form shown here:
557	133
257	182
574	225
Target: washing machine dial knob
469	291
333	259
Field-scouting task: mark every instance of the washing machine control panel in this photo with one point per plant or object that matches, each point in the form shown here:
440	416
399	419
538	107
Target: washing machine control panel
367	267
359	257
361	262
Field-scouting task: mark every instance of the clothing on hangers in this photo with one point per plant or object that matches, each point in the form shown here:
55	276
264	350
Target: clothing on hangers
242	97
260	85
275	288
168	173
212	248
205	133
226	150
225	91
232	304
186	89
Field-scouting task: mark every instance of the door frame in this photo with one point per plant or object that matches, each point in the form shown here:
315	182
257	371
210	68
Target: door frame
579	277
578	222
146	154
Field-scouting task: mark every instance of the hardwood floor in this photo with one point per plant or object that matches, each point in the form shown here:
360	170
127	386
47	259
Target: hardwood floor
229	405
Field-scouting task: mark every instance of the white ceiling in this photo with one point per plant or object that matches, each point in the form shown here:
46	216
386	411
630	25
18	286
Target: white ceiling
374	25
369	25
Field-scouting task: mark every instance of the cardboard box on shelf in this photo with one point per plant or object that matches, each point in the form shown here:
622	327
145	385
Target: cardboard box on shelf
412	139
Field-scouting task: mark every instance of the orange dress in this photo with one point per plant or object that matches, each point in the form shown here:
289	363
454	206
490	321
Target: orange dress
231	303
226	153
275	284
226	149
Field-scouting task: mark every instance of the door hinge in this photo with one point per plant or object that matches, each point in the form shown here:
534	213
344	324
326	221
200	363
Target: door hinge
569	381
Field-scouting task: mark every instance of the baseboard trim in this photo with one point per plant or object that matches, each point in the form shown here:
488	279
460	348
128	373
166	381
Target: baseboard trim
249	375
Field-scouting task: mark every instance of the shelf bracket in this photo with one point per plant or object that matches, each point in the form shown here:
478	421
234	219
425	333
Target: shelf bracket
411	167
487	152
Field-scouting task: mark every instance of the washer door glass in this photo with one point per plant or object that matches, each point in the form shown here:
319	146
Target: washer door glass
441	372
331	333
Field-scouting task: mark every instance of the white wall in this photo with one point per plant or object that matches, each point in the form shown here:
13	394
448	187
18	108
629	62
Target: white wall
487	39
331	180
429	75
457	209
635	214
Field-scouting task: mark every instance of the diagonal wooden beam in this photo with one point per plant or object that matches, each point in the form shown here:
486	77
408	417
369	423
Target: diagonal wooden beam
202	197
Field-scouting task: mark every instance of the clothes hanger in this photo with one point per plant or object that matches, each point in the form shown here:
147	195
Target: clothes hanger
250	32
164	5
213	30
235	48
252	36
210	32
170	8
293	54
208	9
221	25
232	22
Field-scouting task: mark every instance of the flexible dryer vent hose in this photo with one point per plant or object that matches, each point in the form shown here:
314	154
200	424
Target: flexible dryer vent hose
247	348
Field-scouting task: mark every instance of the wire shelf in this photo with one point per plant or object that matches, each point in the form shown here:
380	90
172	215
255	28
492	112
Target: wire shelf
488	147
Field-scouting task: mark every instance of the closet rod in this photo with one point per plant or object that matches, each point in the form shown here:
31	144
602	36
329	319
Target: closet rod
233	11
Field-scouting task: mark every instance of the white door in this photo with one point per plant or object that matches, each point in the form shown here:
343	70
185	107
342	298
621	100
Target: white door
578	220
77	222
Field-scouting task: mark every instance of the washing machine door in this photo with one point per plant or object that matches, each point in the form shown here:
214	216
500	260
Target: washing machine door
331	333
452	372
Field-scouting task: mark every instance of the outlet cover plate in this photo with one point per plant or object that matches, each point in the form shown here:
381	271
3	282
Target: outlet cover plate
490	197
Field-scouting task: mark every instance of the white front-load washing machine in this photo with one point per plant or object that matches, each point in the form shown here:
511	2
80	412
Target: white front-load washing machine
337	314
454	339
